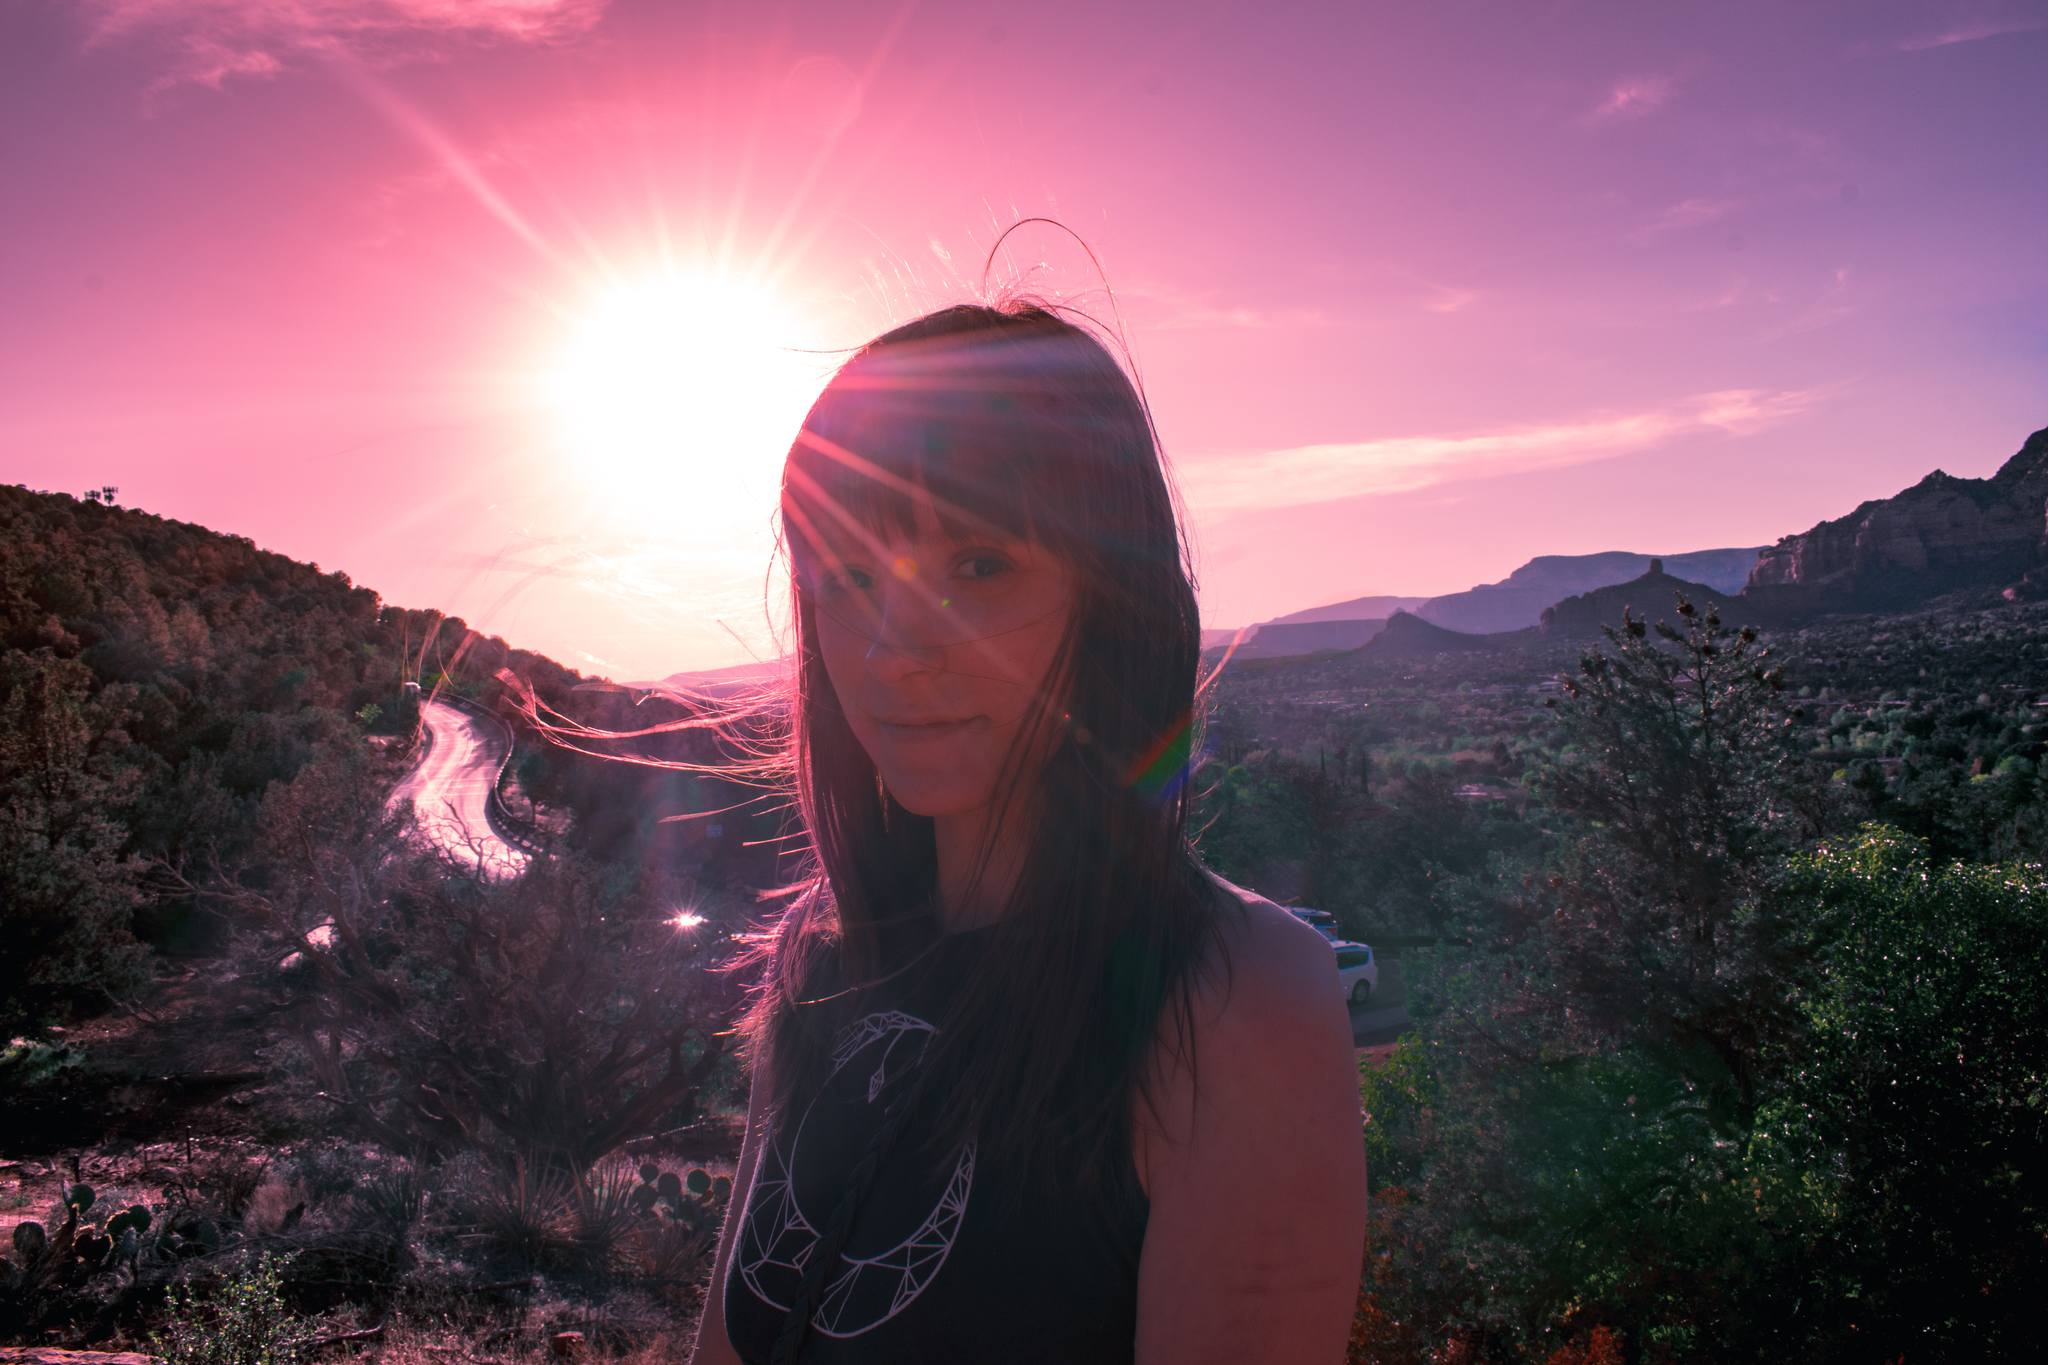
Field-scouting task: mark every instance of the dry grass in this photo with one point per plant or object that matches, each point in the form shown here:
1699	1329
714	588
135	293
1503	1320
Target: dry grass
272	1201
423	1346
456	1330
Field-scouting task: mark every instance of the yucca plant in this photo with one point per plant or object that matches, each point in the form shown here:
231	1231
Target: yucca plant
520	1212
604	1217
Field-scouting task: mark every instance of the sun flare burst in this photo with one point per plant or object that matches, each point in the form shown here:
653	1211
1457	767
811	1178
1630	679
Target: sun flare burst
682	391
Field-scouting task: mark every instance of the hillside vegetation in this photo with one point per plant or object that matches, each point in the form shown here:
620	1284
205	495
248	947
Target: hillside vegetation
1720	943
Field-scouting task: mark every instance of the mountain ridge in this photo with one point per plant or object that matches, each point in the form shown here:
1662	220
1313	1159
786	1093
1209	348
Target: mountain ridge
1940	534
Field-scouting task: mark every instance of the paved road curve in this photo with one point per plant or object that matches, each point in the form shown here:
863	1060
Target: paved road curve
1378	1024
451	785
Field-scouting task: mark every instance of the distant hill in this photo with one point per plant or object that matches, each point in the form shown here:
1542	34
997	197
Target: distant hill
1357	609
1518	600
1340	625
1285	639
1408	636
717	681
1650	597
1942	534
1514	604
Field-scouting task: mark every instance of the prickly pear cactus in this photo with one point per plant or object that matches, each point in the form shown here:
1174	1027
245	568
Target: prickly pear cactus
31	1241
695	1198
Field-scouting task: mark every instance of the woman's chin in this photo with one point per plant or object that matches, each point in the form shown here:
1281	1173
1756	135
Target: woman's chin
933	799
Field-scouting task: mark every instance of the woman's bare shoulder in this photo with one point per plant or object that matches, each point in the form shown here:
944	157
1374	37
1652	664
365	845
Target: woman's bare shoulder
1263	938
1261	1155
1267	981
1262	974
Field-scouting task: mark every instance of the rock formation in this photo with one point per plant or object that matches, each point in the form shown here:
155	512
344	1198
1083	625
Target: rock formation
1408	636
1652	597
1942	534
1517	601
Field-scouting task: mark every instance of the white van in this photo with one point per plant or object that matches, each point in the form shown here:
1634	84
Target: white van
1358	972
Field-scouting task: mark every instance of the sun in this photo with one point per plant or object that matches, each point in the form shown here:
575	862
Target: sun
682	388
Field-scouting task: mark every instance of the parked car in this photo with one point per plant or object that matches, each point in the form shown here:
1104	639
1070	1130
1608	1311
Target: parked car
1358	971
1322	921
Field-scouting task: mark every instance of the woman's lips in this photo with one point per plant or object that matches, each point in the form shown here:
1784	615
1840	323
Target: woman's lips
927	730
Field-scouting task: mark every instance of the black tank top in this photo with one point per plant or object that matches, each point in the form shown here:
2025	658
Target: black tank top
932	1272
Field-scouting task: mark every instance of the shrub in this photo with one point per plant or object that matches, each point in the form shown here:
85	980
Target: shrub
242	1321
547	1020
1907	1143
68	883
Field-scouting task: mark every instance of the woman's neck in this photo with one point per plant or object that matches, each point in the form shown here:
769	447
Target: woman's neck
958	840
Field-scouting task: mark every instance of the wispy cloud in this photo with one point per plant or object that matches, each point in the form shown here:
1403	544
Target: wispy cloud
1445	299
1686	213
1731	295
1833	305
1634	97
1309	474
1165	309
1970	33
209	41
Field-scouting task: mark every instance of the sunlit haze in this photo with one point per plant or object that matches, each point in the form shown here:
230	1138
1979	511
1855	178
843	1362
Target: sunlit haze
511	307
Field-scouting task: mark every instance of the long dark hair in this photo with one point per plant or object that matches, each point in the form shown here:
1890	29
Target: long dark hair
1032	426
1027	423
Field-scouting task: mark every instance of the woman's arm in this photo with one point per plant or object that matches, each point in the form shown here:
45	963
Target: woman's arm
1257	1182
712	1347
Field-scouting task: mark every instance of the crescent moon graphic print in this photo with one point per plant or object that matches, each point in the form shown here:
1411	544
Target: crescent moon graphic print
929	1271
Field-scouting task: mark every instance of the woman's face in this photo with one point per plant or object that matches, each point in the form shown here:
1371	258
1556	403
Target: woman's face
939	649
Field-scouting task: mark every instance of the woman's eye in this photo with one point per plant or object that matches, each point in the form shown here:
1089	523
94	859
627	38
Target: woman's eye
984	566
857	579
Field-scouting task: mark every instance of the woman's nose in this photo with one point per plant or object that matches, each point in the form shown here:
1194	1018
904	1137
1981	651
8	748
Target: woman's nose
910	627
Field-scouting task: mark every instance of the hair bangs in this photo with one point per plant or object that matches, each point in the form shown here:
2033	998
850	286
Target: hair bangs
1010	437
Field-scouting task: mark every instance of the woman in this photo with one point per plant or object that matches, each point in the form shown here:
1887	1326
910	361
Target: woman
975	1131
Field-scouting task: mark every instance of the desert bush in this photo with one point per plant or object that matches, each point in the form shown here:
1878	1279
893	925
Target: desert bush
277	1204
1904	1153
545	1020
1569	1129
243	1320
69	884
221	1182
1392	1093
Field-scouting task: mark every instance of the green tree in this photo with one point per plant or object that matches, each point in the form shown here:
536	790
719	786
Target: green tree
1596	1040
1907	1144
68	885
1679	775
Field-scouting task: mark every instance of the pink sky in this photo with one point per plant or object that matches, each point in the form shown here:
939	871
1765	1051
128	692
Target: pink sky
1417	291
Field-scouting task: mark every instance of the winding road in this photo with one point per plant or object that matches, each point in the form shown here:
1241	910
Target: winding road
451	788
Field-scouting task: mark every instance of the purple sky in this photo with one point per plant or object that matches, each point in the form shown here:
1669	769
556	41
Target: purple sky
1416	291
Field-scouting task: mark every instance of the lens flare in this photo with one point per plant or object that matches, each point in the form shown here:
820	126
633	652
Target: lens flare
682	390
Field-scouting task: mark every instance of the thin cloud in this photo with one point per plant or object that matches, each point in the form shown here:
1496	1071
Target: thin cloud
1167	310
210	41
1635	97
1449	300
1971	33
1686	213
1831	307
1304	475
1727	298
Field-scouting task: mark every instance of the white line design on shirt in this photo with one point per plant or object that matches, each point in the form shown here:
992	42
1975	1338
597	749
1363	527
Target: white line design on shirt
776	1238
